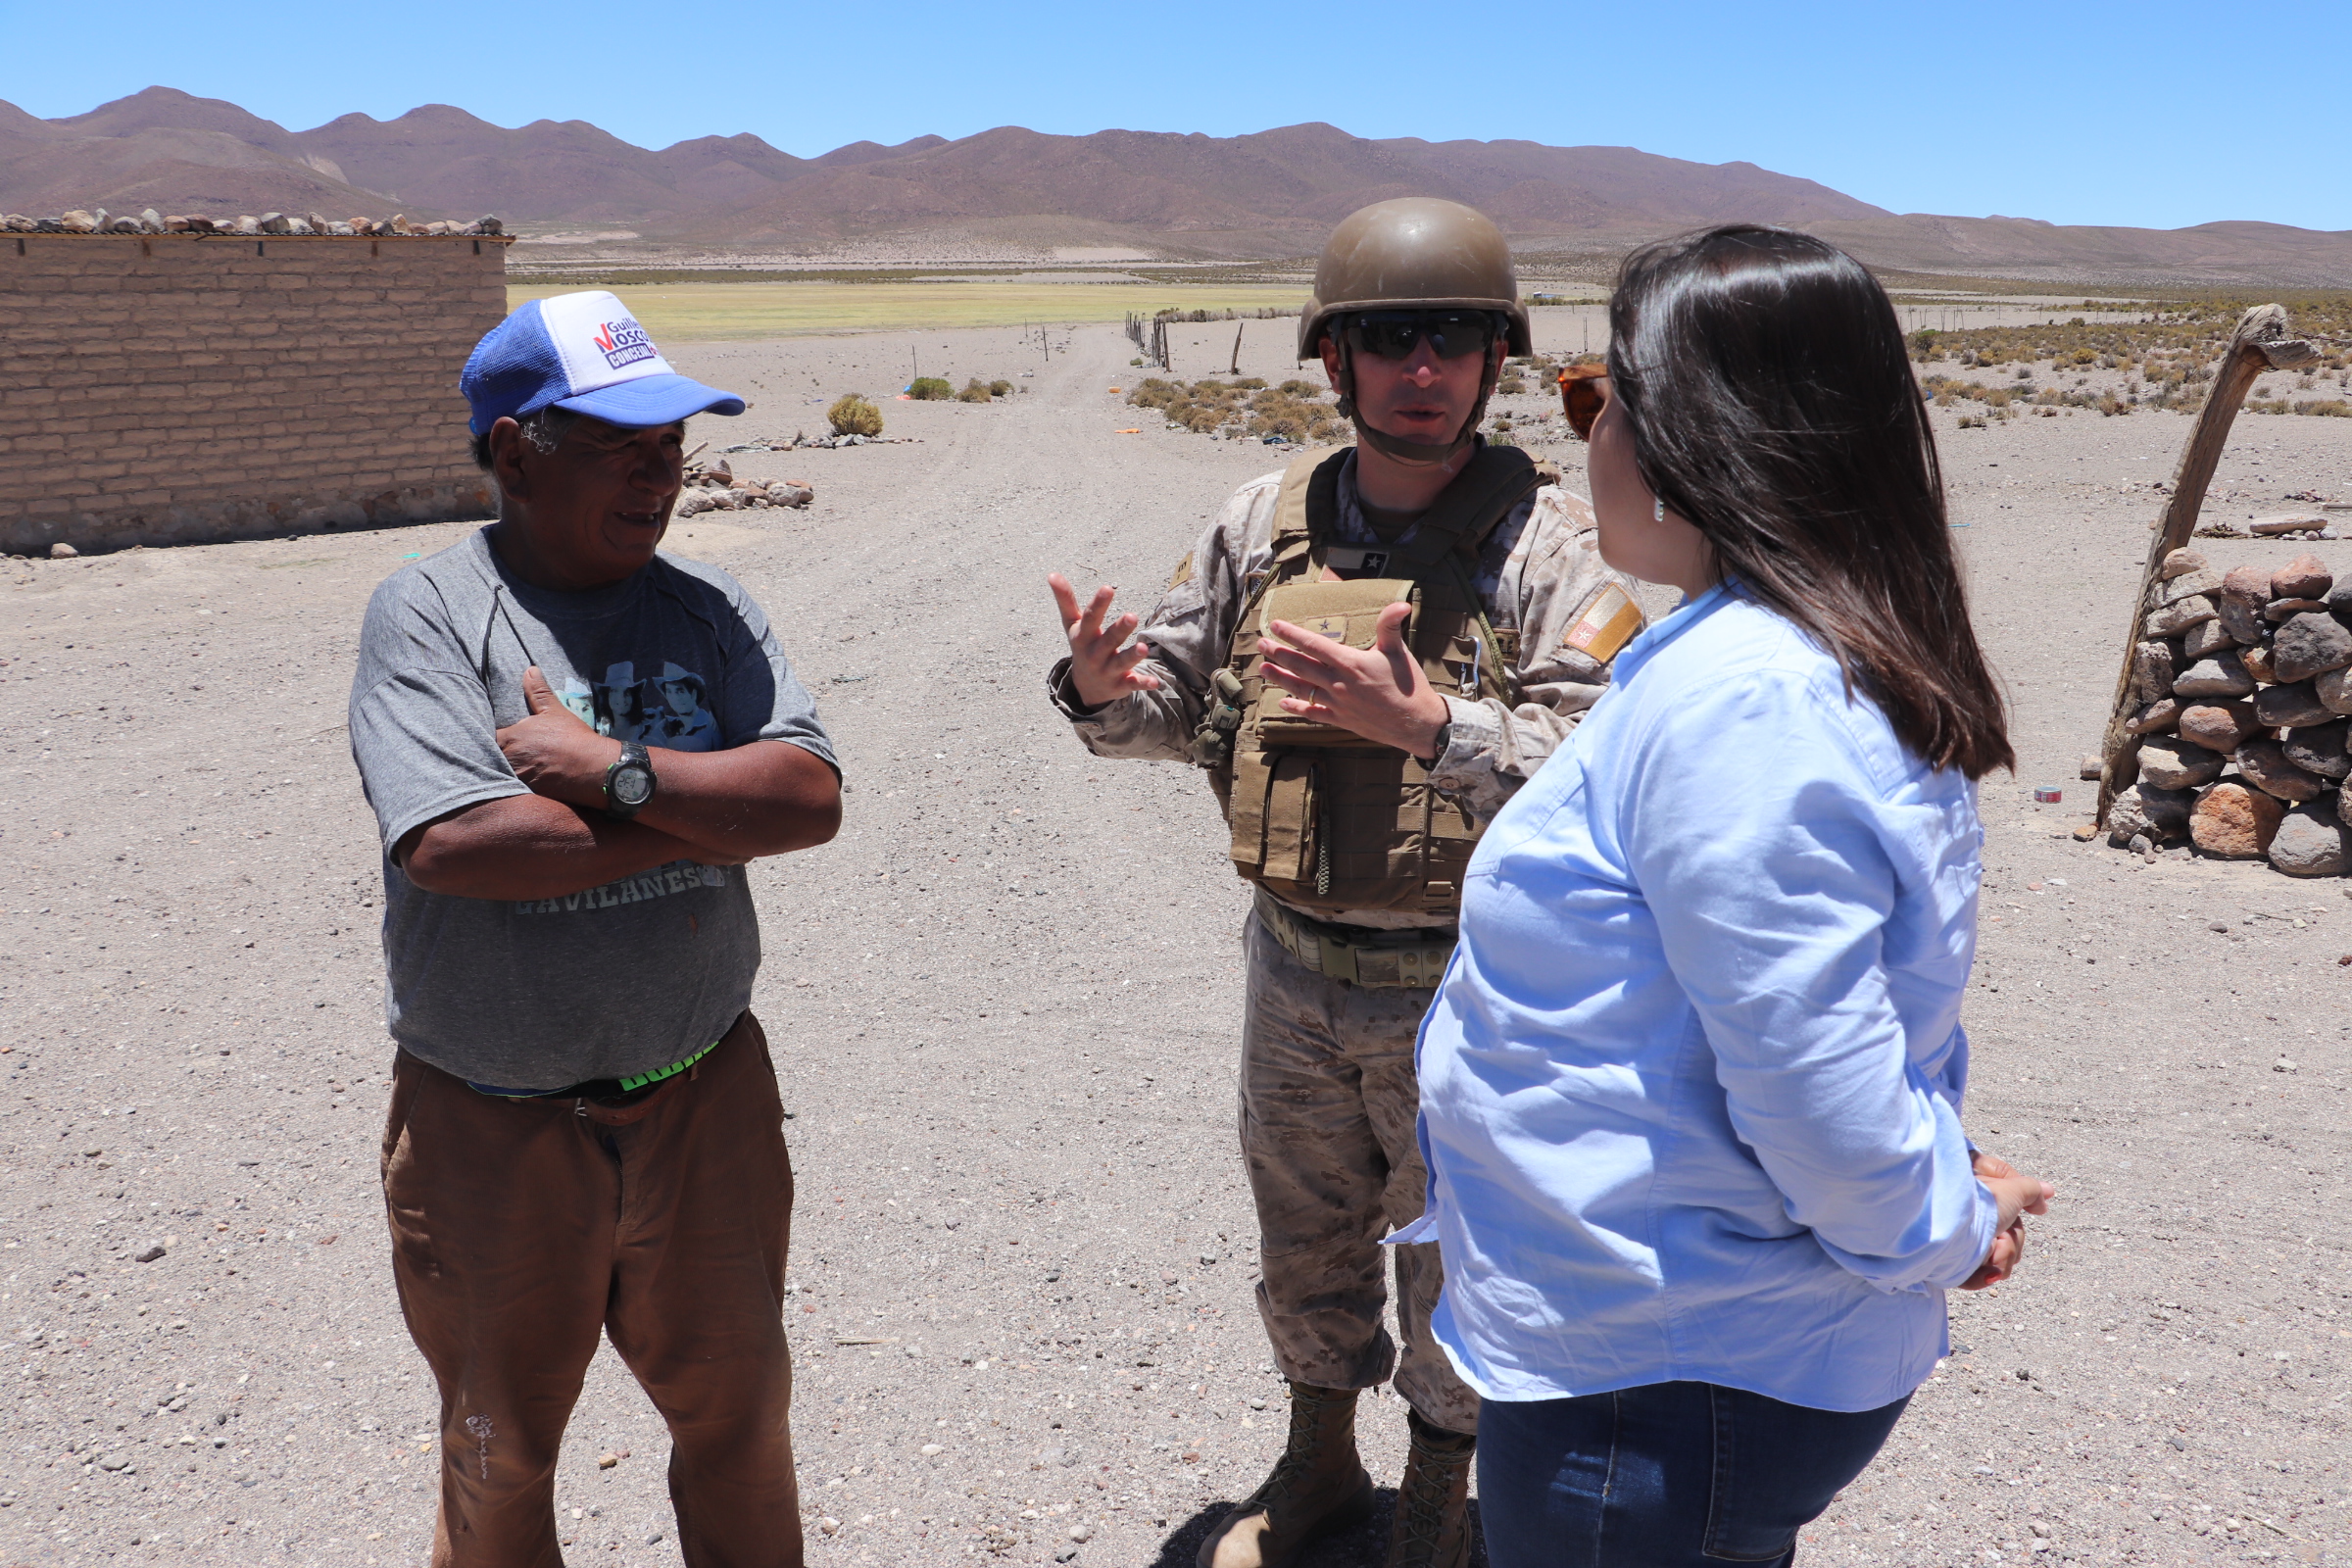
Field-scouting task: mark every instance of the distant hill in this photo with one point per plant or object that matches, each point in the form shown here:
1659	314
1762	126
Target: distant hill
1272	193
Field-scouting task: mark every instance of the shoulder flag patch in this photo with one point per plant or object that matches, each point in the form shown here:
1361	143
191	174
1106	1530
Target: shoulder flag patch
1183	573
1607	624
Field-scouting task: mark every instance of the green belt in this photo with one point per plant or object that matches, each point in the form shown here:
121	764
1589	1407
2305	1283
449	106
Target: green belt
1405	961
632	1085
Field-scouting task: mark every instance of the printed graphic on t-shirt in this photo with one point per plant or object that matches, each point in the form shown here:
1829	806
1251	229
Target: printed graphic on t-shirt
667	707
678	876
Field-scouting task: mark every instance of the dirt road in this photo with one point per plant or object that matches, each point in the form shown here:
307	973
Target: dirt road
1004	1006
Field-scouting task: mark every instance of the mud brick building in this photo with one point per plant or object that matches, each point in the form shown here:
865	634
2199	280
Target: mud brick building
172	388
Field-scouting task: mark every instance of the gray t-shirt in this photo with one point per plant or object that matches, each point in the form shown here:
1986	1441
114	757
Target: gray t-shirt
623	978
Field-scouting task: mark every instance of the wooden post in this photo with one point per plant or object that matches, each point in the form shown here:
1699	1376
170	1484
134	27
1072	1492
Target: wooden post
1236	349
2260	343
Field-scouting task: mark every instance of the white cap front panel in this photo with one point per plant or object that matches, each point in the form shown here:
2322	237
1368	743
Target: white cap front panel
598	341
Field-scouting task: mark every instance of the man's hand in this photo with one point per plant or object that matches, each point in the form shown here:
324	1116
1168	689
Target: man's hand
1377	692
552	752
2017	1196
1102	668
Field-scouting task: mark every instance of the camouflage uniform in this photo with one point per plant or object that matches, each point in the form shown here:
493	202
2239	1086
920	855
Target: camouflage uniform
1328	1095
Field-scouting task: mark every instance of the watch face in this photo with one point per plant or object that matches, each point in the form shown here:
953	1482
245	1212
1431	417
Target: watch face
632	785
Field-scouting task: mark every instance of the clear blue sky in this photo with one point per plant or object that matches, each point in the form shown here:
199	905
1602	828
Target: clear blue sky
2155	112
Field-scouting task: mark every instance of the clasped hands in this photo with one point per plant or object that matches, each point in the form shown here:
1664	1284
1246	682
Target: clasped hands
557	755
2018	1197
1379	692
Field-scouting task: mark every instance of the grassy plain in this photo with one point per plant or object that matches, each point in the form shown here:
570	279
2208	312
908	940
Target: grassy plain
711	312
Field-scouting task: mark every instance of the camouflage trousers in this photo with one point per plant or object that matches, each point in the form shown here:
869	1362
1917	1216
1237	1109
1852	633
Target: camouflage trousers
1328	1105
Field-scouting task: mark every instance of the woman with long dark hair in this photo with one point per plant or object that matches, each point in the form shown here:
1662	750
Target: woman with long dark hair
1691	1092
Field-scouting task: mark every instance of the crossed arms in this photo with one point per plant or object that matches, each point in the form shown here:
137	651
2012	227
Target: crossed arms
713	807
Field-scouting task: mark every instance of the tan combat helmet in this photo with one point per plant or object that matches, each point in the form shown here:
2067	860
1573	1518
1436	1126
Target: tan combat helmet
1415	253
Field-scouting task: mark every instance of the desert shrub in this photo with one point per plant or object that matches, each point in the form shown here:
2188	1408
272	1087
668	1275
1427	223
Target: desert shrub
974	390
1513	382
1293	411
930	389
1254	383
1296	388
999	388
852	414
1922	343
2328	408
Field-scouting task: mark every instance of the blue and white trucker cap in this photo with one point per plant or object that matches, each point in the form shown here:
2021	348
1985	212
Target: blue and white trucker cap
583	352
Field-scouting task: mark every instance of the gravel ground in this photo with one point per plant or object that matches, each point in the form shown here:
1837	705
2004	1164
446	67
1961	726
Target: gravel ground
1004	1009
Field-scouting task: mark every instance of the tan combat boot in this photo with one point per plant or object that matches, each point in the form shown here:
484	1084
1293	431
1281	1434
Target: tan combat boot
1432	1528
1318	1485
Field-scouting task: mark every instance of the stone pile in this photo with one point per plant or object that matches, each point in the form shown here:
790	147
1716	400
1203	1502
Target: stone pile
95	220
713	487
2243	683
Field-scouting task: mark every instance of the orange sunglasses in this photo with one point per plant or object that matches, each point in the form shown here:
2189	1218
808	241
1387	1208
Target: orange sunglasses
1582	395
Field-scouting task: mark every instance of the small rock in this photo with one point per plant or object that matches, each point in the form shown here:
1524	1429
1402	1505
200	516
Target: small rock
2206	637
2180	563
932	1450
2220	726
2312	841
2172	590
114	1461
2235	822
2257	660
2175	764
275	223
2284	706
2282	1065
2176	617
79	222
2225	674
2154	667
2167	809
654	1537
828	1525
2279	610
1066	1554
2307	644
2265	765
605	1462
488	223
2304	577
2334	688
1166	1278
2244	592
2321	749
62	550
2128	819
150	1254
2154	718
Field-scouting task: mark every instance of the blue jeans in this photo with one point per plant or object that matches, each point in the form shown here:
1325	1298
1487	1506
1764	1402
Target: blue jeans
1669	1475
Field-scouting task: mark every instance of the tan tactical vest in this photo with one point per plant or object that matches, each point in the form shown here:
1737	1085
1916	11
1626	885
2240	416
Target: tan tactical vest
1321	818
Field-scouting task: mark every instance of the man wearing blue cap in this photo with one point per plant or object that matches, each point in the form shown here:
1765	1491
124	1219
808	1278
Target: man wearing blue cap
567	1152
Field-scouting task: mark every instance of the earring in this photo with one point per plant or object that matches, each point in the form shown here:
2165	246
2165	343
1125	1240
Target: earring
1657	509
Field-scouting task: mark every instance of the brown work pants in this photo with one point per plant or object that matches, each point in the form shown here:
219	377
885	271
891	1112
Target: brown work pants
521	1228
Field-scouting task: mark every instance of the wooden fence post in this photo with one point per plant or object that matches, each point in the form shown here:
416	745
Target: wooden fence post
2260	343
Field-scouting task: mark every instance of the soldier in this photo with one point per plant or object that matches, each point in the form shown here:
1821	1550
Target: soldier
1368	653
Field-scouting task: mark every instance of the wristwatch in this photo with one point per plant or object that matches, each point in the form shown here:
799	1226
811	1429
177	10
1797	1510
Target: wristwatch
628	782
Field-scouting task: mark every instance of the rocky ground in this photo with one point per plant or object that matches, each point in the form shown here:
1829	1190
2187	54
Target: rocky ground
1004	1005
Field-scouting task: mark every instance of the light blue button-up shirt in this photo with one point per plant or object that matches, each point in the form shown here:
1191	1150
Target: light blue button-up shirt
1690	1090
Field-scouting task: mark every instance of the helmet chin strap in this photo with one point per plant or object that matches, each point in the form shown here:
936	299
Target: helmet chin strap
1412	453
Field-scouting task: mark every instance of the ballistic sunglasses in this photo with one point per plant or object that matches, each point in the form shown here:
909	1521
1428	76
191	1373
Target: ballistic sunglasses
1584	391
1391	335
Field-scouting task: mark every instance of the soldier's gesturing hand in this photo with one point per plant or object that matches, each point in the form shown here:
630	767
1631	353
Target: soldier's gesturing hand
1377	692
1101	665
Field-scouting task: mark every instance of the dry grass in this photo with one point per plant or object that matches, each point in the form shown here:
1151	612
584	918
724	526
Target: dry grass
852	414
706	312
2166	361
1293	411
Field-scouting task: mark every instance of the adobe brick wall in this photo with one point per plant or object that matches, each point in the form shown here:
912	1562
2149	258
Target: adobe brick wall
176	388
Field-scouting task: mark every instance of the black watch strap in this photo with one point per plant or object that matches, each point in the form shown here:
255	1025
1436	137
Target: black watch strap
629	782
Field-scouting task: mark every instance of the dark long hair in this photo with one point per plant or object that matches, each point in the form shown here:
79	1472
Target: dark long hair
1766	381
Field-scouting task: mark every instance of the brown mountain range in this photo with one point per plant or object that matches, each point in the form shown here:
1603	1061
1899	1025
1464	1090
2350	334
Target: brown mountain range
1262	195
